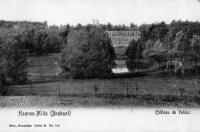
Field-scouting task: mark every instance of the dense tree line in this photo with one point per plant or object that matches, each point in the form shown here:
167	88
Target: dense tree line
43	39
110	27
13	58
40	38
163	42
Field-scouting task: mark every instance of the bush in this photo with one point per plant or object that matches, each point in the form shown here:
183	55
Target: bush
88	54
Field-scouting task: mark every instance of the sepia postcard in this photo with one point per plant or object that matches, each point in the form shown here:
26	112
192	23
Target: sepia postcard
99	65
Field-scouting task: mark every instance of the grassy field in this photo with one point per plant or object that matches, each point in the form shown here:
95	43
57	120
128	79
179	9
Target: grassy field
151	90
44	67
140	91
138	85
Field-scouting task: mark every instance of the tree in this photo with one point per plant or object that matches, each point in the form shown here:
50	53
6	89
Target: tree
63	33
195	44
134	54
41	42
78	26
133	26
88	54
54	41
186	41
109	27
153	33
13	56
157	31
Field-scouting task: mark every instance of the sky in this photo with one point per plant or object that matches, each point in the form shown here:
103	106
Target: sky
61	12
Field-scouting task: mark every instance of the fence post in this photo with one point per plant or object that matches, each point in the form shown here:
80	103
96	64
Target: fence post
59	88
96	89
31	89
126	84
45	92
38	90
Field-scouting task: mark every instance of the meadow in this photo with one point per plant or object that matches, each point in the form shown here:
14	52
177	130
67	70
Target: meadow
46	88
139	91
43	67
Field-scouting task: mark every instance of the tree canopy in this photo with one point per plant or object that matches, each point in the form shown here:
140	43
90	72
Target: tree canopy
13	56
88	53
162	42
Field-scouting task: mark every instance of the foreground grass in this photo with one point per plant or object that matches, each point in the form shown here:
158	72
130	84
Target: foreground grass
131	86
124	92
100	101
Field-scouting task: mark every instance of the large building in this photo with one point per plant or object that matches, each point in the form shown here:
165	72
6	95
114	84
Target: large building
122	38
